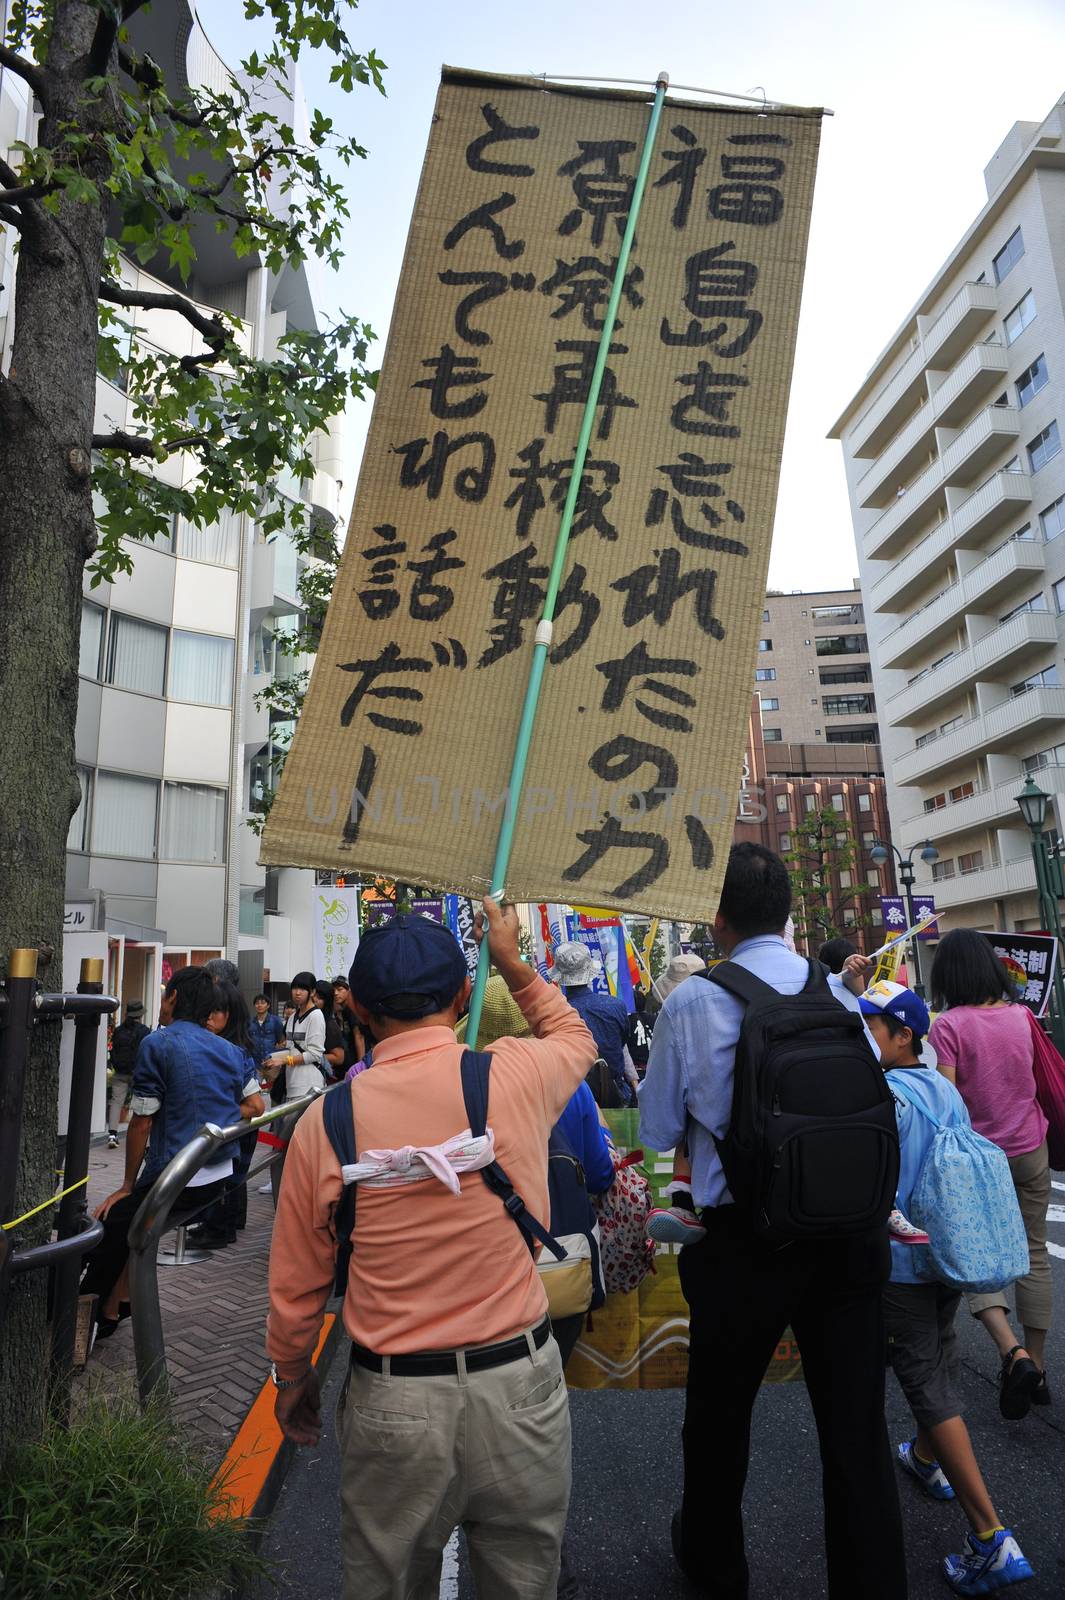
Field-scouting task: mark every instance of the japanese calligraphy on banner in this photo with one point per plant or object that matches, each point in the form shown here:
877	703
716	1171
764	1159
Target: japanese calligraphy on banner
401	758
1030	959
334	929
896	915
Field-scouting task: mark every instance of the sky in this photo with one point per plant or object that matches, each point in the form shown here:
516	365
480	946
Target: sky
923	94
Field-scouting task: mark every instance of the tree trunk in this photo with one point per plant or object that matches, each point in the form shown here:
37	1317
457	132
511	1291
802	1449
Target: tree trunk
46	534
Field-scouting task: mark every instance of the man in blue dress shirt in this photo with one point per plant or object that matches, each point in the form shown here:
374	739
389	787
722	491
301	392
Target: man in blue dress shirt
742	1293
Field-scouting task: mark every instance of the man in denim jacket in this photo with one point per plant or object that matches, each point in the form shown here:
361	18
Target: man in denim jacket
184	1076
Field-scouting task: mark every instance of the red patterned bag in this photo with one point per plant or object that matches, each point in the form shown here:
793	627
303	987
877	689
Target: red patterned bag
626	1252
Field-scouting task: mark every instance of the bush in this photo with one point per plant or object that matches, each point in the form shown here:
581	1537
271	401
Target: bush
117	1508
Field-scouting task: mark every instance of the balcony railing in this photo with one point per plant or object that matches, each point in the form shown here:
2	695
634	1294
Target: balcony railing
1005	566
980	809
1006	723
1020	636
986	883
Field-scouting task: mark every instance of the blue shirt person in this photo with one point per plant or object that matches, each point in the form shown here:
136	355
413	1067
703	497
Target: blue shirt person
605	1017
267	1029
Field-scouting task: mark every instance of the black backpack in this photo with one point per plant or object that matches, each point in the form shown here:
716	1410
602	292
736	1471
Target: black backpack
812	1146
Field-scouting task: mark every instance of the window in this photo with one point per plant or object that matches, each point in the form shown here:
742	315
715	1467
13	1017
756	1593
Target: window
843	644
201	669
838	801
765	644
765	674
784	842
1018	319
1054	757
123	821
1052	520
973	862
942	869
850	917
963	791
868	838
261	650
1031	380
841	839
1044	447
849	705
1012	251
876	917
845	879
809	802
1036	602
78	832
865	801
92	638
848	613
194	819
1038	680
136	655
872	877
783	802
765	616
1059	595
770	703
219	543
936	803
772	735
845	675
868	735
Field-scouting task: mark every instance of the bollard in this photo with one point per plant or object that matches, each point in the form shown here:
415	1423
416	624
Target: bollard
72	1208
17	1018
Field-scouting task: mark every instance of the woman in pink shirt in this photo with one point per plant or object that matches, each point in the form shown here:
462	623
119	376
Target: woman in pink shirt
984	1045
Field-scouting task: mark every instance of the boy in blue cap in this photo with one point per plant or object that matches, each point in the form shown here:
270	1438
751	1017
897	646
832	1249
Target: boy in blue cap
919	1315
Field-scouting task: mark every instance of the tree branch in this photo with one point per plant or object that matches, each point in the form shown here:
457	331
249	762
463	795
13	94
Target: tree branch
213	329
134	444
27	70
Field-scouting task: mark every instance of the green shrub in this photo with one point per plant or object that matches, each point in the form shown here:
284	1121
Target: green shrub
116	1508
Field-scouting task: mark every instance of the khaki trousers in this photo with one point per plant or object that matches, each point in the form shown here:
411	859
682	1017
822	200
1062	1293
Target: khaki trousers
1034	1292
488	1450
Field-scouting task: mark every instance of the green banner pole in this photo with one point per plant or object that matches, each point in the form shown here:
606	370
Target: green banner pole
544	627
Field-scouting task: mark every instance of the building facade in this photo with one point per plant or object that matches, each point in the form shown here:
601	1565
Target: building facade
173	752
956	476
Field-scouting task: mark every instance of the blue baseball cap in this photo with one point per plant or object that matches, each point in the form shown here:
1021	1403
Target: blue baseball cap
407	968
897	1001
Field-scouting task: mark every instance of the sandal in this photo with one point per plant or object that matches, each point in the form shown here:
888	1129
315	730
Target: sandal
1018	1381
1041	1392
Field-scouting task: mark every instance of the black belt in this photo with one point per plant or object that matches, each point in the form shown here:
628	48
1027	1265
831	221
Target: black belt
438	1363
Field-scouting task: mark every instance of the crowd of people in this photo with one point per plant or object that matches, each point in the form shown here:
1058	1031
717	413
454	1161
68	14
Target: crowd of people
454	1406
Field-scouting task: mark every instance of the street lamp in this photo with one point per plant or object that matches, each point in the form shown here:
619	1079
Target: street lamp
1033	803
881	853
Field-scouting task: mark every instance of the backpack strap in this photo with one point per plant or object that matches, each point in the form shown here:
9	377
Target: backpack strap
900	1094
339	1123
739	982
476	1067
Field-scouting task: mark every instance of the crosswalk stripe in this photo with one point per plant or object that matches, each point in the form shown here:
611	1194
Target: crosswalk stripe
449	1573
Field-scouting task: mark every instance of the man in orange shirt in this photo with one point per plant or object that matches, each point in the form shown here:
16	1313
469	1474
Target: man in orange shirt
455	1407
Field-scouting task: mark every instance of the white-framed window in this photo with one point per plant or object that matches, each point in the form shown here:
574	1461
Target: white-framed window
1044	447
124	815
1012	251
1018	319
136	654
78	832
92	640
201	668
865	800
1031	380
1052	520
809	802
839	802
194	823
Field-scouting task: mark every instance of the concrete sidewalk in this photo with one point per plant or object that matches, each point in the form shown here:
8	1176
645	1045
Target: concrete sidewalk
214	1320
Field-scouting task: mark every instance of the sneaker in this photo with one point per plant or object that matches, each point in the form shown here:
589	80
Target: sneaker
903	1230
932	1478
986	1564
112	1141
265	1188
675	1225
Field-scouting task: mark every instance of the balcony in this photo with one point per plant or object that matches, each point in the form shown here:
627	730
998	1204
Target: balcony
882	418
1017	561
904	454
1013	720
989	507
958	324
892	528
987	883
987	436
908	577
975	376
981	810
1010	643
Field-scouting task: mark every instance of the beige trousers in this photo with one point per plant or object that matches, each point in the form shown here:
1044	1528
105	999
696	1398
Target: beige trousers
1034	1292
419	1456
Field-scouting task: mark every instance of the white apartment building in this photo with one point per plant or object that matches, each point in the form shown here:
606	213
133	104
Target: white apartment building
172	751
956	473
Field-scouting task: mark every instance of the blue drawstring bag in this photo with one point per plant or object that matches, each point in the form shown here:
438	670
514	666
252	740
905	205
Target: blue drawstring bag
965	1201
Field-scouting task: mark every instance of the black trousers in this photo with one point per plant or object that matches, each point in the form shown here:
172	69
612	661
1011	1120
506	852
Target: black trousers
103	1266
742	1295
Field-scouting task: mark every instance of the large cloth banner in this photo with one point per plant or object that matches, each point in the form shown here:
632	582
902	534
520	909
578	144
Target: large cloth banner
640	1340
401	758
1030	959
334	930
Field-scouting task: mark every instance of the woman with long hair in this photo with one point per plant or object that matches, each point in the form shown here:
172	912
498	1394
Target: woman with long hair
984	1045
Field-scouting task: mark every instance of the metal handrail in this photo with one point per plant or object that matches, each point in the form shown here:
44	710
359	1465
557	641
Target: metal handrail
88	1236
150	1223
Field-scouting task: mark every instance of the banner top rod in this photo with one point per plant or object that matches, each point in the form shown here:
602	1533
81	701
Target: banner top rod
682	88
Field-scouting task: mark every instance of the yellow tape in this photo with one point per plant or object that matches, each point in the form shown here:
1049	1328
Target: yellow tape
7	1226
